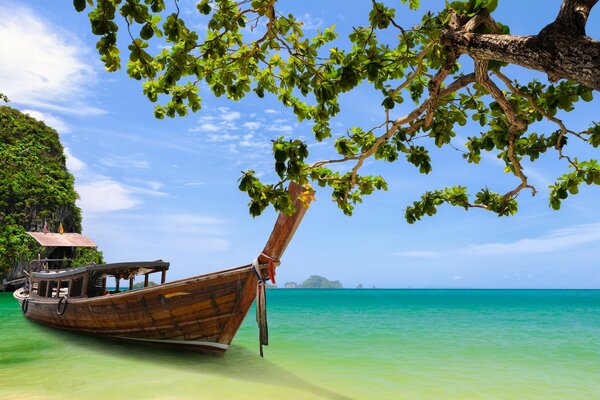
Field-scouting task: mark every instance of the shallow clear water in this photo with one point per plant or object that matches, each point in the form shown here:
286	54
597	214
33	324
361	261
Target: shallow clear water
336	344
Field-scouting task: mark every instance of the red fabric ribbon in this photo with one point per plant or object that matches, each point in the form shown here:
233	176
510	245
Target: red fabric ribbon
272	271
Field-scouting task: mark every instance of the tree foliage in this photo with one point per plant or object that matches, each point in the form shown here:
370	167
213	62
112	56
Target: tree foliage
418	64
35	186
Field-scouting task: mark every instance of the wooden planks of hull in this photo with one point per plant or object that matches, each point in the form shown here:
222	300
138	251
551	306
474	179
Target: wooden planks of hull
204	309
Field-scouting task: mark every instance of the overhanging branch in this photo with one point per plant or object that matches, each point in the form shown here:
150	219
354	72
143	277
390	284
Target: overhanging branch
573	58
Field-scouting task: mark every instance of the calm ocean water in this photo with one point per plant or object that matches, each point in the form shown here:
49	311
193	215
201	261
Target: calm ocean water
336	344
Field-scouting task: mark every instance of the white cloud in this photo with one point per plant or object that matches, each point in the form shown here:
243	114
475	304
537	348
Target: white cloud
41	65
252	125
227	115
74	107
128	162
49	119
280	128
223	121
167	236
207	118
271	111
206	127
100	194
74	164
105	195
552	242
153	185
249	141
151	188
539	180
193	184
310	22
222	138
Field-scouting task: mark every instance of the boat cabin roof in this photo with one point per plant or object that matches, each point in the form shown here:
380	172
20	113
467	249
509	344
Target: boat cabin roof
126	268
62	239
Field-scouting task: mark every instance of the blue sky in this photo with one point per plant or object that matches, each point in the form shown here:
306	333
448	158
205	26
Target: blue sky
168	189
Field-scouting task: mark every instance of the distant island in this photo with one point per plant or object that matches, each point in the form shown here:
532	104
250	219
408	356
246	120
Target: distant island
140	285
315	282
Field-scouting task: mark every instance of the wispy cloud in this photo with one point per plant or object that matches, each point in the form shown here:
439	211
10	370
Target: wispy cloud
147	187
193	184
224	120
74	164
228	115
280	128
418	254
43	66
237	133
105	195
169	233
125	162
225	137
554	241
252	126
99	194
49	119
310	22
250	141
206	127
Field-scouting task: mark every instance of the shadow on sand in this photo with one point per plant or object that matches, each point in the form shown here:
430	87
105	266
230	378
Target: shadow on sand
238	363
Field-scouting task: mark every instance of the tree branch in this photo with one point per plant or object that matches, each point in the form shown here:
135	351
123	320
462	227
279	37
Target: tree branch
571	19
563	129
568	57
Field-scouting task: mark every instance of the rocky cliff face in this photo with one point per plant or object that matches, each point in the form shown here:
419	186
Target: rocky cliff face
35	186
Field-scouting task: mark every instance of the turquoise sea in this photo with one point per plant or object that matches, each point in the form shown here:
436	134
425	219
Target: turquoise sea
336	344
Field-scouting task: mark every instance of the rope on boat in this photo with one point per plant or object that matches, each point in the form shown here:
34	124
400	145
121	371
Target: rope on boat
261	308
273	262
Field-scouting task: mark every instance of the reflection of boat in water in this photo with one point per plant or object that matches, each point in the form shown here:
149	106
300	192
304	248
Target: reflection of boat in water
200	313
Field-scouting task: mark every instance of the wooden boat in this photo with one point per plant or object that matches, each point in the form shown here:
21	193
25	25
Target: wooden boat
201	313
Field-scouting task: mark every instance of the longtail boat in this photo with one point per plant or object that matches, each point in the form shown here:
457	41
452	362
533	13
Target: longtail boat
201	313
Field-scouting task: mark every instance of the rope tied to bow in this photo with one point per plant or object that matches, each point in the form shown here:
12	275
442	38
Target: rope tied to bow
273	262
261	308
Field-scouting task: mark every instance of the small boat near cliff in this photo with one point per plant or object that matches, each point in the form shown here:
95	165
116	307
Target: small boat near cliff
201	313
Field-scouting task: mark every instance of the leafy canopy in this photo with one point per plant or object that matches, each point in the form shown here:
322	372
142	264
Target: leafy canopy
308	75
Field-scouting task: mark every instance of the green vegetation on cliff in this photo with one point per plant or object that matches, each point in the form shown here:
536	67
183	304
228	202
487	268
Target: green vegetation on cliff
319	282
35	186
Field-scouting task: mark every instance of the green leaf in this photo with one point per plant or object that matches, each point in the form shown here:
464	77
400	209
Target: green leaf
79	5
147	31
204	7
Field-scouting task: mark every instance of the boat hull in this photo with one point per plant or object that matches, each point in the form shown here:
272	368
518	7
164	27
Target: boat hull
201	313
